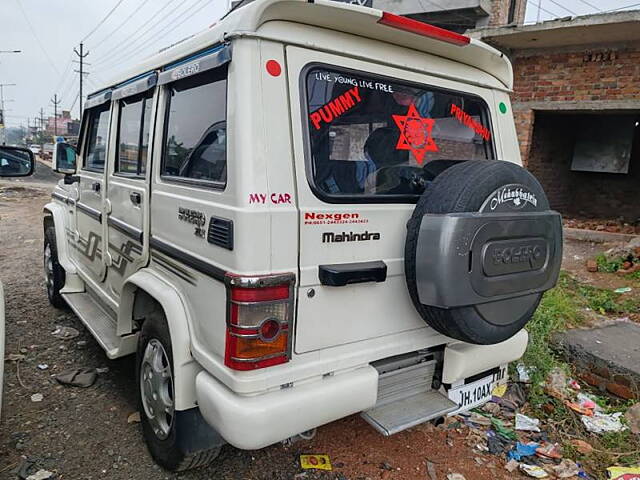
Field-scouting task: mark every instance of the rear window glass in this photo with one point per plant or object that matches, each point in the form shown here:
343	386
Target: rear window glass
371	136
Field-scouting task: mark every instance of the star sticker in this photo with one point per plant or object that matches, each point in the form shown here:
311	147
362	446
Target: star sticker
415	133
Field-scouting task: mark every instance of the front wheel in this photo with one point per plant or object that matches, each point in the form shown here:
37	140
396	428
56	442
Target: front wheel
162	425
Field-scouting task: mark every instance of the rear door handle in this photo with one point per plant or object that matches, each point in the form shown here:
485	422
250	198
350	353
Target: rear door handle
341	274
135	198
95	186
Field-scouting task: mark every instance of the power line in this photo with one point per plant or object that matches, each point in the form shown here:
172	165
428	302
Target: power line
563	7
33	32
445	9
597	9
98	44
165	32
115	49
102	21
623	8
553	15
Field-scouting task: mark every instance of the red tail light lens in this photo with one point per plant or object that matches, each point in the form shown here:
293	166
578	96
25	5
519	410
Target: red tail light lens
259	314
424	29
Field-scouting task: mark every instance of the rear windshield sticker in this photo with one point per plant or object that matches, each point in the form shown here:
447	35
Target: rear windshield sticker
468	121
336	107
331	77
415	133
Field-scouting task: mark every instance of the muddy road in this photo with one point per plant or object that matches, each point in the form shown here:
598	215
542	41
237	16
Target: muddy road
83	433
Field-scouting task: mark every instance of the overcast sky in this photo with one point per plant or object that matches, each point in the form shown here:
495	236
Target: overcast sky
47	31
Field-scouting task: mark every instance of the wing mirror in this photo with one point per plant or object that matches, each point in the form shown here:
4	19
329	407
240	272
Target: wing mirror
16	162
64	158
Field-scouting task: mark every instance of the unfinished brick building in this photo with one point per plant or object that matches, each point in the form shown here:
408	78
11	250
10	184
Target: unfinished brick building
576	101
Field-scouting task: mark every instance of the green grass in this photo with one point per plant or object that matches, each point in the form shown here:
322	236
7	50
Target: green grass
561	308
608	266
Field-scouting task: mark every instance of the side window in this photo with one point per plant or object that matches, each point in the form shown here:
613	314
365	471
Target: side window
195	129
133	135
97	138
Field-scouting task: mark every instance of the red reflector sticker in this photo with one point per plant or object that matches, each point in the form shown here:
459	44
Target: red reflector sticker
273	68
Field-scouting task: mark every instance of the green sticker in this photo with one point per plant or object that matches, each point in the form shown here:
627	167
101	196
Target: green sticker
503	107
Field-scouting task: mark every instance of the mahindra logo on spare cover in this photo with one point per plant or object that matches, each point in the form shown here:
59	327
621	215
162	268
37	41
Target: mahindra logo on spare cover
514	197
331	237
313	218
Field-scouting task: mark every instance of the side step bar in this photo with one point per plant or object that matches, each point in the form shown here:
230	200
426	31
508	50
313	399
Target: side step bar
102	325
405	395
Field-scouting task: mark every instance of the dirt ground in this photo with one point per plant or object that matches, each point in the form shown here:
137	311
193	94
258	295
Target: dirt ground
84	433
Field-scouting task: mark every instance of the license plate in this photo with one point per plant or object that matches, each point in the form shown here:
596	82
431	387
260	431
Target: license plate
473	394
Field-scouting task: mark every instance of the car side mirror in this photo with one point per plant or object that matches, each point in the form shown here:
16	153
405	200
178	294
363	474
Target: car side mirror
64	158
16	162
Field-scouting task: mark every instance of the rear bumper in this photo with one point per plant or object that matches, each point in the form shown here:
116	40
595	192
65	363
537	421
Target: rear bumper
252	422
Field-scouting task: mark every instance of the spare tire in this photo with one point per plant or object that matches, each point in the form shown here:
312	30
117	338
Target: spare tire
482	246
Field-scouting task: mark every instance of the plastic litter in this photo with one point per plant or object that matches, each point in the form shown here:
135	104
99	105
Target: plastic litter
581	446
134	418
77	377
623	473
479	419
622	290
40	475
578	408
549	450
455	476
574	384
566	469
524	373
523	450
65	333
533	471
603	422
318	462
633	418
500	429
499	390
43	366
527	424
556	384
511	466
37	397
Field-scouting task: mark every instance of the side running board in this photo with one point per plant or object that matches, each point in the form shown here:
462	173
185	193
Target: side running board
101	324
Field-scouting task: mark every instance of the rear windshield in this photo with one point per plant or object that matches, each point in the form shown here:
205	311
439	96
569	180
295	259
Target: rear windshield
375	137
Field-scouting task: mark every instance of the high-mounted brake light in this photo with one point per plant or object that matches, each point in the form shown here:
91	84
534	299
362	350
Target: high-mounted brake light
259	316
424	29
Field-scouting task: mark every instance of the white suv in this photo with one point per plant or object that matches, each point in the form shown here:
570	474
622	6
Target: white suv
309	210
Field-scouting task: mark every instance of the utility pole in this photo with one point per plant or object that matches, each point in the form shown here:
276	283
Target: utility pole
41	132
3	111
81	55
55	102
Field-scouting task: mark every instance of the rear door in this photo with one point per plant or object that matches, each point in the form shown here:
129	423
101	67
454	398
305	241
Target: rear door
127	186
89	249
362	141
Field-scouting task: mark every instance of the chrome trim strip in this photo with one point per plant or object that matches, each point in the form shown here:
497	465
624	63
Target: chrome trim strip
60	197
92	212
123	227
197	64
258	359
138	86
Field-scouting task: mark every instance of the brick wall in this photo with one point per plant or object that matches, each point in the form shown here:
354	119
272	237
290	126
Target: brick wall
602	74
602	79
500	12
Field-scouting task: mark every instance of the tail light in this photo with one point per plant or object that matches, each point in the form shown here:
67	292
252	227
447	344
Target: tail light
259	317
424	29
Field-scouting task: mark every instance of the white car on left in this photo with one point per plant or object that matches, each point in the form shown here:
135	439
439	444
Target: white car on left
14	162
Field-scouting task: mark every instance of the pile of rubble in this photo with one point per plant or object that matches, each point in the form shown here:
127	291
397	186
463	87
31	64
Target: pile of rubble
603	225
502	427
622	259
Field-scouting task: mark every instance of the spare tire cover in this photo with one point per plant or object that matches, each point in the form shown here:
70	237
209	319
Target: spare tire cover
475	186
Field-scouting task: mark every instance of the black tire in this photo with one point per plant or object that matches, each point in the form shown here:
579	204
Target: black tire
168	452
54	273
464	188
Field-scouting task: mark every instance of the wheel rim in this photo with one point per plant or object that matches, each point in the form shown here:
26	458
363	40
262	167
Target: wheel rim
48	268
156	388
